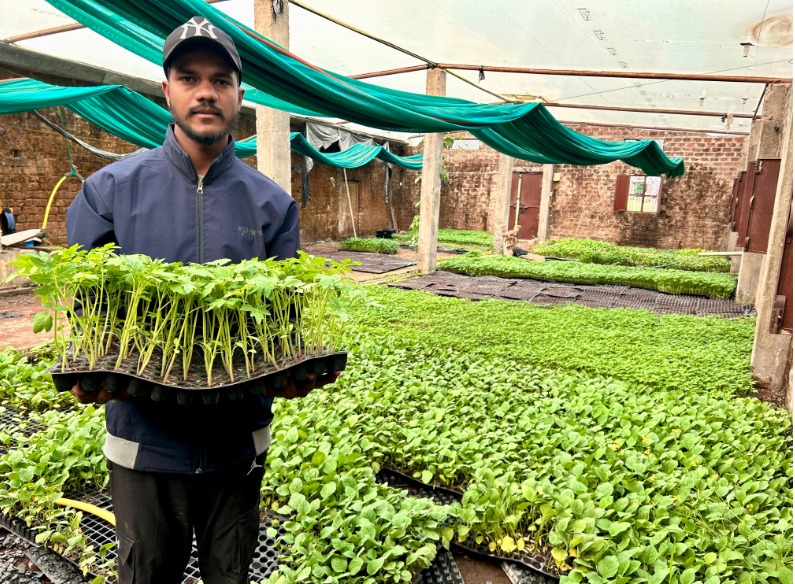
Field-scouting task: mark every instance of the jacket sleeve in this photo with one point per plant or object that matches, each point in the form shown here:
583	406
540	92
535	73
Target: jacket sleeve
89	221
286	242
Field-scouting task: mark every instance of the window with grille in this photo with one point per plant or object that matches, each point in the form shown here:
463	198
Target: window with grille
638	193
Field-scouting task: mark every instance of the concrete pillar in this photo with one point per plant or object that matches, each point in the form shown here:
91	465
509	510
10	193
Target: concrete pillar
771	355
546	196
273	126
748	277
500	203
766	143
777	97
753	144
431	185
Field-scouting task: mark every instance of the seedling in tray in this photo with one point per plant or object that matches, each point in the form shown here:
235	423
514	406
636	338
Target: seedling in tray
187	326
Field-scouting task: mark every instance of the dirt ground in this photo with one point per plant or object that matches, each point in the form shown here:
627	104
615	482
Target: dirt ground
16	312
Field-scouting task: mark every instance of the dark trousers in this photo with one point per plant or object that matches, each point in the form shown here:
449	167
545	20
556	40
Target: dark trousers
157	514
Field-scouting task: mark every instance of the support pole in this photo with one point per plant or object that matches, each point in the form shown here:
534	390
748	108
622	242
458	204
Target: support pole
350	205
501	202
273	126
431	186
518	206
546	196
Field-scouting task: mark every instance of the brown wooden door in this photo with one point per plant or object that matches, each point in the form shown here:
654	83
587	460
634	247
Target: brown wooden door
529	203
762	201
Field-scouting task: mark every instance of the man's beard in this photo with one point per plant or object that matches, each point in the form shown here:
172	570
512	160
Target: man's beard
206	139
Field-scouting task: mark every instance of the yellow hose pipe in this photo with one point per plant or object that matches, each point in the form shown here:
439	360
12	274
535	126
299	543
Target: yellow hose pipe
88	508
73	173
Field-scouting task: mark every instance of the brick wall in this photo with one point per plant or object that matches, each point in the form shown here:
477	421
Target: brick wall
34	157
696	206
465	195
329	215
696	210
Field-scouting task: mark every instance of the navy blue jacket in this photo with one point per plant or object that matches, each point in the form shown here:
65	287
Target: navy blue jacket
154	203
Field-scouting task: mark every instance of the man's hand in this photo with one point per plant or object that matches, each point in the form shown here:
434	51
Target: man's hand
295	388
103	396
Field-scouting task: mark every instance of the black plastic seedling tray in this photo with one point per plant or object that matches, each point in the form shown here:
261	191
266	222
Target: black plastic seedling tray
194	389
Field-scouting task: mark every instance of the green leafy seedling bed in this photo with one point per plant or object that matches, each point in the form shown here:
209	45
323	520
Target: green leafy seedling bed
535	560
194	388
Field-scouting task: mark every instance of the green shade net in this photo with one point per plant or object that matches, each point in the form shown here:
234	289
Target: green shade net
134	118
276	78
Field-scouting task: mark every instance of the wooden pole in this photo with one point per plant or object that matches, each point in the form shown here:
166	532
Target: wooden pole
431	186
350	204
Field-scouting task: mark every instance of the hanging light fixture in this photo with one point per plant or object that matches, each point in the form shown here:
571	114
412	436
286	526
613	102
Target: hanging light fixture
746	48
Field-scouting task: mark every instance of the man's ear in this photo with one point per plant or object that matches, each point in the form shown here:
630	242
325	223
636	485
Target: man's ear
240	93
164	85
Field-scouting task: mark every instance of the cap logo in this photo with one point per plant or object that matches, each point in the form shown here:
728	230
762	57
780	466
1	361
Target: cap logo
202	28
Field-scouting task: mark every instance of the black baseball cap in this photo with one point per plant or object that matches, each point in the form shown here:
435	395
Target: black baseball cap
199	31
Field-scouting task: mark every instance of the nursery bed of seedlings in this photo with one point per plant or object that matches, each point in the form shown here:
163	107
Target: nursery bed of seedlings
602	252
547	293
101	535
615	441
372	245
537	562
452	240
670	281
13	421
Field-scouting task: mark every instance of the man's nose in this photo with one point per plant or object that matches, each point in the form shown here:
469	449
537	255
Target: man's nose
206	91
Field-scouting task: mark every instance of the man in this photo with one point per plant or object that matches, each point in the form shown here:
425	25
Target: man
176	470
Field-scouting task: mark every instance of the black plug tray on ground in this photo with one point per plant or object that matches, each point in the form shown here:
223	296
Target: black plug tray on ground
194	389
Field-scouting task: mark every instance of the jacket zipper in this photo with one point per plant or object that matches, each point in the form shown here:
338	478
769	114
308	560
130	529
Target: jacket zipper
200	202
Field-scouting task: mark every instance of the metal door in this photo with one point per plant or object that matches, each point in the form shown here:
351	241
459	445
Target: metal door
528	184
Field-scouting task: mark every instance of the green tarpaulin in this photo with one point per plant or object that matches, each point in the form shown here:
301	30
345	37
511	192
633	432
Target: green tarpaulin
136	119
282	80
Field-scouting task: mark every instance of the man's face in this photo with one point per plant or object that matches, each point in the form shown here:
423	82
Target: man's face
203	95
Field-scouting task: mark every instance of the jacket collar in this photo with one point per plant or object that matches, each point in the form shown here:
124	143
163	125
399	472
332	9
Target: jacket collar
182	161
